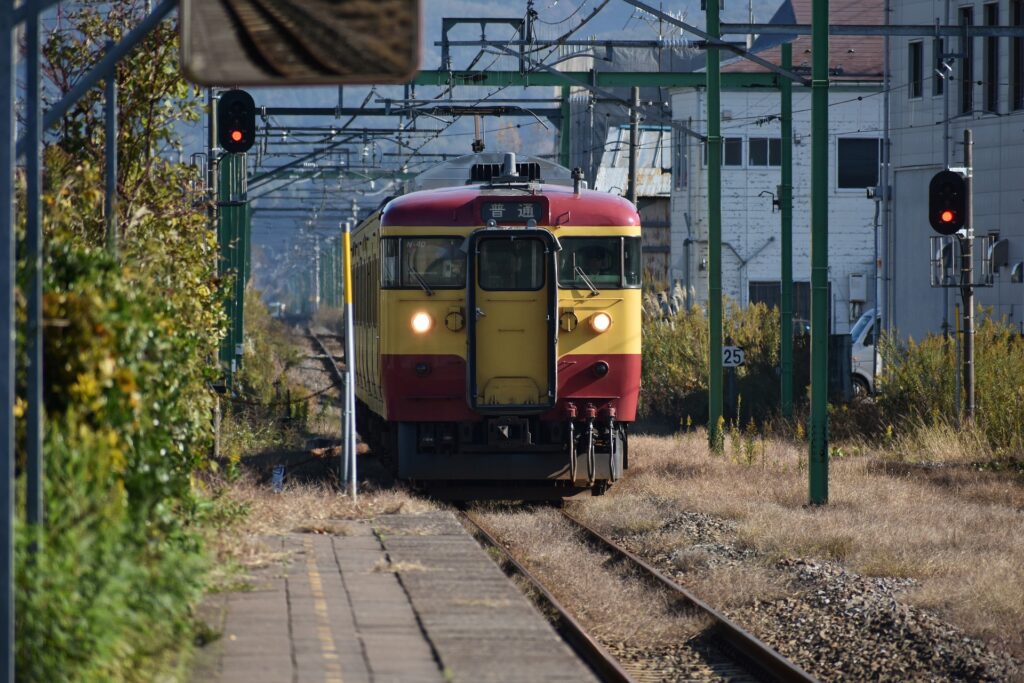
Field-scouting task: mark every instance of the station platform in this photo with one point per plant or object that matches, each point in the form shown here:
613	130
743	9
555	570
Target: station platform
399	598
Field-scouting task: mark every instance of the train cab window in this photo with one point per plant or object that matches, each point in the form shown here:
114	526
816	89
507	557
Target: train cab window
511	264
632	261
412	262
612	262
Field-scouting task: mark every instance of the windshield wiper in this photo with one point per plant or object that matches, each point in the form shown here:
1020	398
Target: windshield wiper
421	281
587	281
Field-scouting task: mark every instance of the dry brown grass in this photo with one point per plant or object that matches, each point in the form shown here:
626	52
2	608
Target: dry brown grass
615	608
299	508
962	544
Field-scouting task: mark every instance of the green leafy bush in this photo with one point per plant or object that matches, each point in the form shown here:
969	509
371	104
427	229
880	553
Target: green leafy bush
917	386
130	346
128	422
675	367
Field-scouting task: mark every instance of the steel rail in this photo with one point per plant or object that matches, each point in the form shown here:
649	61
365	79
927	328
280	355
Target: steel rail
328	358
592	652
757	653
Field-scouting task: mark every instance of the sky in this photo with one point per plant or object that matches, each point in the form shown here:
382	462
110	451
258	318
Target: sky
615	20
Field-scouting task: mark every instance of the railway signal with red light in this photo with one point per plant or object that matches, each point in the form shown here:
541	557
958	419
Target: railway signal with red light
947	202
236	121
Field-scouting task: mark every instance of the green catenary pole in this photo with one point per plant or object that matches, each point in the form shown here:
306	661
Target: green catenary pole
565	131
818	469
232	235
714	111
225	244
786	207
240	212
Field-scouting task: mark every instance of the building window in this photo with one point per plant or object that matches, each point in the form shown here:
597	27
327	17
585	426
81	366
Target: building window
915	69
992	60
679	158
939	70
857	161
967	64
765	151
732	152
1017	59
770	294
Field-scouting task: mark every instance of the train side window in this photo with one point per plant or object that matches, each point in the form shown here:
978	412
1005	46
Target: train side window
389	262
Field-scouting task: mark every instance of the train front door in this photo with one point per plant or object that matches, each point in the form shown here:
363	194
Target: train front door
512	317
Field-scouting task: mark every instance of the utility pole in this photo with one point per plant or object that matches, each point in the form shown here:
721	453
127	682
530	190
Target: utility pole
110	195
818	469
8	74
565	129
714	142
349	410
786	210
967	278
35	511
634	141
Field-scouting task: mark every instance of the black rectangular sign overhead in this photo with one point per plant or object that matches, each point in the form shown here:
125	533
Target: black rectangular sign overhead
301	42
512	212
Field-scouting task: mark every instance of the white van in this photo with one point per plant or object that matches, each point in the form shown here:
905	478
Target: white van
865	359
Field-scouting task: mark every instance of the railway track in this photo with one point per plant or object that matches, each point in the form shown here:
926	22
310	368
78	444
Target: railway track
735	654
758	657
316	37
598	658
727	652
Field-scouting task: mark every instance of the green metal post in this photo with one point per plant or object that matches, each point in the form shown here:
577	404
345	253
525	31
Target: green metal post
565	131
241	224
818	469
786	207
233	237
714	112
225	242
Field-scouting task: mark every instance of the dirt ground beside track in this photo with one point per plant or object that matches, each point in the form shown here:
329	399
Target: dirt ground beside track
923	567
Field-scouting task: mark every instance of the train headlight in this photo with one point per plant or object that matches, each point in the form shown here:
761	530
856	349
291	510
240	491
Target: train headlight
422	322
600	322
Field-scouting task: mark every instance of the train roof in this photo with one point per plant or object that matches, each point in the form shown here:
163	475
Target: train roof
461	206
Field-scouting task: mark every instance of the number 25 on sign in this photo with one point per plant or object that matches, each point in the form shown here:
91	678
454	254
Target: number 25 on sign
732	356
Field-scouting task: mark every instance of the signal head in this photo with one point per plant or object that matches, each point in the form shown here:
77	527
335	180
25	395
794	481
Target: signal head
236	121
947	202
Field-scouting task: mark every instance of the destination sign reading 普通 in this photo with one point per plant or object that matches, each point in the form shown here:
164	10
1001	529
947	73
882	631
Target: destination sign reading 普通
512	212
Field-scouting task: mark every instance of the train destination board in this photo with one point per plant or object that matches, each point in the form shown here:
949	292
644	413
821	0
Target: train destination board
513	212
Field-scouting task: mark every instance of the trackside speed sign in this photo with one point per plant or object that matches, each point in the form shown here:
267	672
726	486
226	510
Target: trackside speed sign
732	356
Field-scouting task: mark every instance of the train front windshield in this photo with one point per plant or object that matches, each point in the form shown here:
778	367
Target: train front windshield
434	261
611	262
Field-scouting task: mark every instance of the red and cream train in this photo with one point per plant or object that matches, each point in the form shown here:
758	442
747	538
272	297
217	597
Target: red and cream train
498	324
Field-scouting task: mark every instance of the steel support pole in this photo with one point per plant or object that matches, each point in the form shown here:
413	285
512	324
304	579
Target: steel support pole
241	222
786	210
634	141
565	129
34	260
350	364
110	188
967	279
714	143
818	469
232	211
7	259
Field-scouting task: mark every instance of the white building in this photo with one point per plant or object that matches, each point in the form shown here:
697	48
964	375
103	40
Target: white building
751	253
984	91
